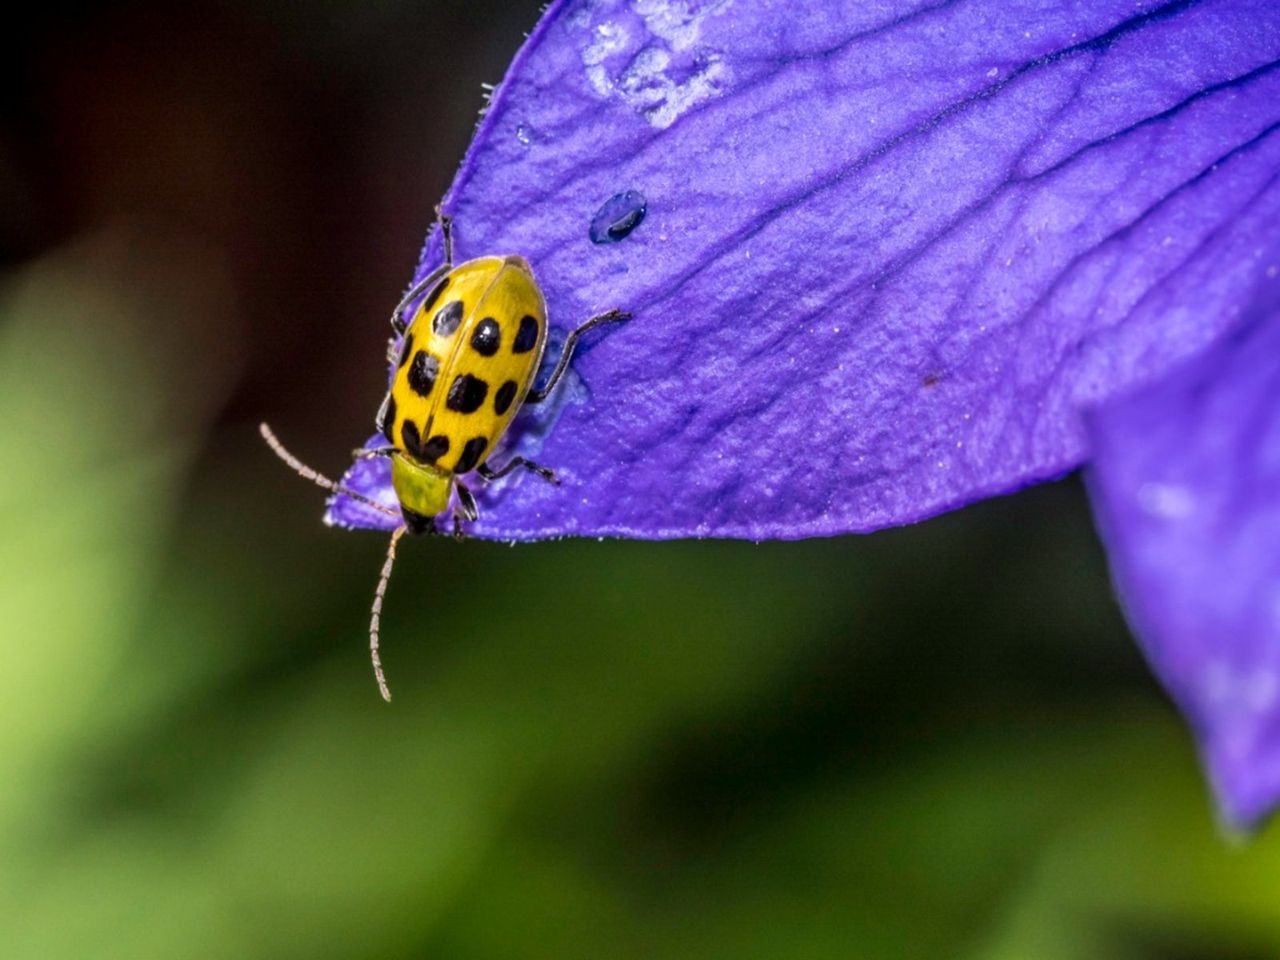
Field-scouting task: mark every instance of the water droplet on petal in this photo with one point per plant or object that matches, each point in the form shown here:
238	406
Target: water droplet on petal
619	215
524	134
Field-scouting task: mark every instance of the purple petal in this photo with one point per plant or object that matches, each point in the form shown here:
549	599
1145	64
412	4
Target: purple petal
890	250
1186	482
370	478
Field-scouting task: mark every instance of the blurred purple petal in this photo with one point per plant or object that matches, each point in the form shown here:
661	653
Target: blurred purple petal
890	250
1186	483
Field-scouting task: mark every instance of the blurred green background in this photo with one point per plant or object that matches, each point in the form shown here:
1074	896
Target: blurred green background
938	741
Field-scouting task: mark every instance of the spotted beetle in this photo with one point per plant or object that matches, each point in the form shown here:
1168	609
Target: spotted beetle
464	367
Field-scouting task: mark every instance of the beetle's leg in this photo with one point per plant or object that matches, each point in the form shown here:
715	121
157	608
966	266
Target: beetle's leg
380	418
467	510
372	453
398	323
446	228
489	473
467	502
566	354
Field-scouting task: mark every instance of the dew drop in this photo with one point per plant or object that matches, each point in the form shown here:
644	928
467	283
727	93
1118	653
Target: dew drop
619	215
1169	501
524	134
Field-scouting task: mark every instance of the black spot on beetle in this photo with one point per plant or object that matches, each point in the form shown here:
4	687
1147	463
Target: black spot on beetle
447	319
470	455
502	399
467	393
486	337
422	373
412	439
435	448
526	336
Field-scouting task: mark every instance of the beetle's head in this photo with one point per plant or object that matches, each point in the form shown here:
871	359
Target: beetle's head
423	491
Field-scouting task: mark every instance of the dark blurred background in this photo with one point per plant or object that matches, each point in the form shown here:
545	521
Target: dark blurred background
939	741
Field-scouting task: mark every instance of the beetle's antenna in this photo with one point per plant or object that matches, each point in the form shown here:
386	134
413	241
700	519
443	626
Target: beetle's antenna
319	479
376	614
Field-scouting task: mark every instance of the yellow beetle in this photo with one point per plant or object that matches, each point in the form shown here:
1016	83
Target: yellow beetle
464	367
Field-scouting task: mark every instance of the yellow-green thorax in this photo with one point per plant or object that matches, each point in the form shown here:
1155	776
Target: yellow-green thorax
423	490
